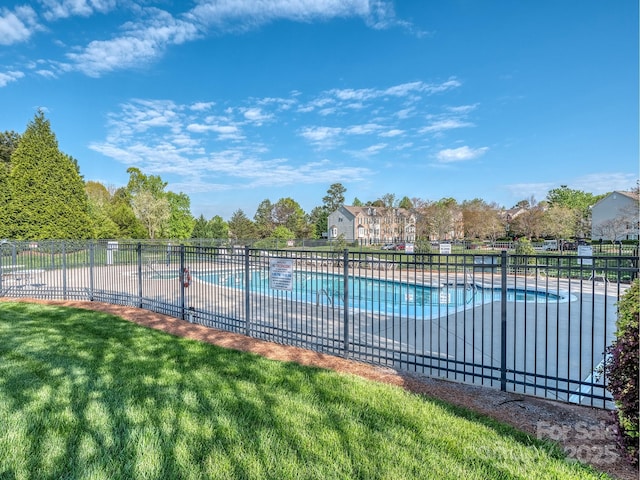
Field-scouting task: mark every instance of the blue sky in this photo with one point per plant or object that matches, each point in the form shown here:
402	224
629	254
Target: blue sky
234	102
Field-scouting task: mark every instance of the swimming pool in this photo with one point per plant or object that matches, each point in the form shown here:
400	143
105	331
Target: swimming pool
379	295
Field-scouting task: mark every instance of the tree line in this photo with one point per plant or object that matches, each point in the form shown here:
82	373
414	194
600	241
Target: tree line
44	196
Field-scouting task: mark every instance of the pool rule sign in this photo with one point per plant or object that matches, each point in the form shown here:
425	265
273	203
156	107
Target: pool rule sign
281	273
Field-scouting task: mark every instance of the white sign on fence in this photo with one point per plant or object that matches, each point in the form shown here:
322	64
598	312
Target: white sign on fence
281	273
409	248
585	251
445	248
111	247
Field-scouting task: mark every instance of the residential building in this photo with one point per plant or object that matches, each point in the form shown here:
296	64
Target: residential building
372	225
616	217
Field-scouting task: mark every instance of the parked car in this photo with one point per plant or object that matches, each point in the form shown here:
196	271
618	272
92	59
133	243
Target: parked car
569	245
399	246
389	246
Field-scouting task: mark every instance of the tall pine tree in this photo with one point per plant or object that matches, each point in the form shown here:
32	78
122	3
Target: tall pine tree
47	196
8	143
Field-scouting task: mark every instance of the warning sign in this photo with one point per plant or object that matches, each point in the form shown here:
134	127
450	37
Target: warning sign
281	273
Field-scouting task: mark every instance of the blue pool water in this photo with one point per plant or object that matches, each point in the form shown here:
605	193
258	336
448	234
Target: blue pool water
378	295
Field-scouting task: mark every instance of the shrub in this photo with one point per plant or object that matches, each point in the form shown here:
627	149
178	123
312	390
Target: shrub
622	370
423	246
524	247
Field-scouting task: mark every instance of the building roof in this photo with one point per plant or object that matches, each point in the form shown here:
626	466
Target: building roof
376	211
633	195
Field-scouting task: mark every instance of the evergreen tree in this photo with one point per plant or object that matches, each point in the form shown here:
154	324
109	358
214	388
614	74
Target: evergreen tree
318	218
219	228
334	198
8	143
201	228
47	196
121	213
288	213
99	198
263	219
406	203
241	227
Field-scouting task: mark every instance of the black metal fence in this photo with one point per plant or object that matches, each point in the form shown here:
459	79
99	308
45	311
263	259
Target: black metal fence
537	325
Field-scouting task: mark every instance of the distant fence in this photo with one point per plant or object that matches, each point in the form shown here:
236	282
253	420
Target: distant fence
537	325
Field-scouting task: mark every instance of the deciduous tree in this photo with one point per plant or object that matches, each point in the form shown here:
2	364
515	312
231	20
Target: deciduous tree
152	211
180	222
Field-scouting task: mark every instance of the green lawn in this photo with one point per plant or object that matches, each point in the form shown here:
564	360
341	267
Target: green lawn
89	395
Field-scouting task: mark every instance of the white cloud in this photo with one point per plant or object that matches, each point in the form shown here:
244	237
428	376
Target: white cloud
8	77
446	124
317	103
463	109
162	137
56	9
46	73
223	143
201	106
605	182
524	191
461	154
596	183
141	43
327	111
365	129
394	132
402	90
244	14
225	132
256	115
374	149
405	113
280	103
146	39
350	94
17	25
321	136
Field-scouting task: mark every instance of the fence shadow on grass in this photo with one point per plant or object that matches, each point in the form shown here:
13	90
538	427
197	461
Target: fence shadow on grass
86	394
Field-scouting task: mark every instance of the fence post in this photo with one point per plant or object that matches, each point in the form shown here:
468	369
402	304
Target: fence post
139	252
64	270
247	286
345	299
182	282
92	259
503	321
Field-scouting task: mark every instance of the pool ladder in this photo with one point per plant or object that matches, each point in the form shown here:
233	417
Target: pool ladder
324	292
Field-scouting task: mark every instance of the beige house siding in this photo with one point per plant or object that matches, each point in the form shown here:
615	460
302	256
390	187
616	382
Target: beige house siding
372	225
